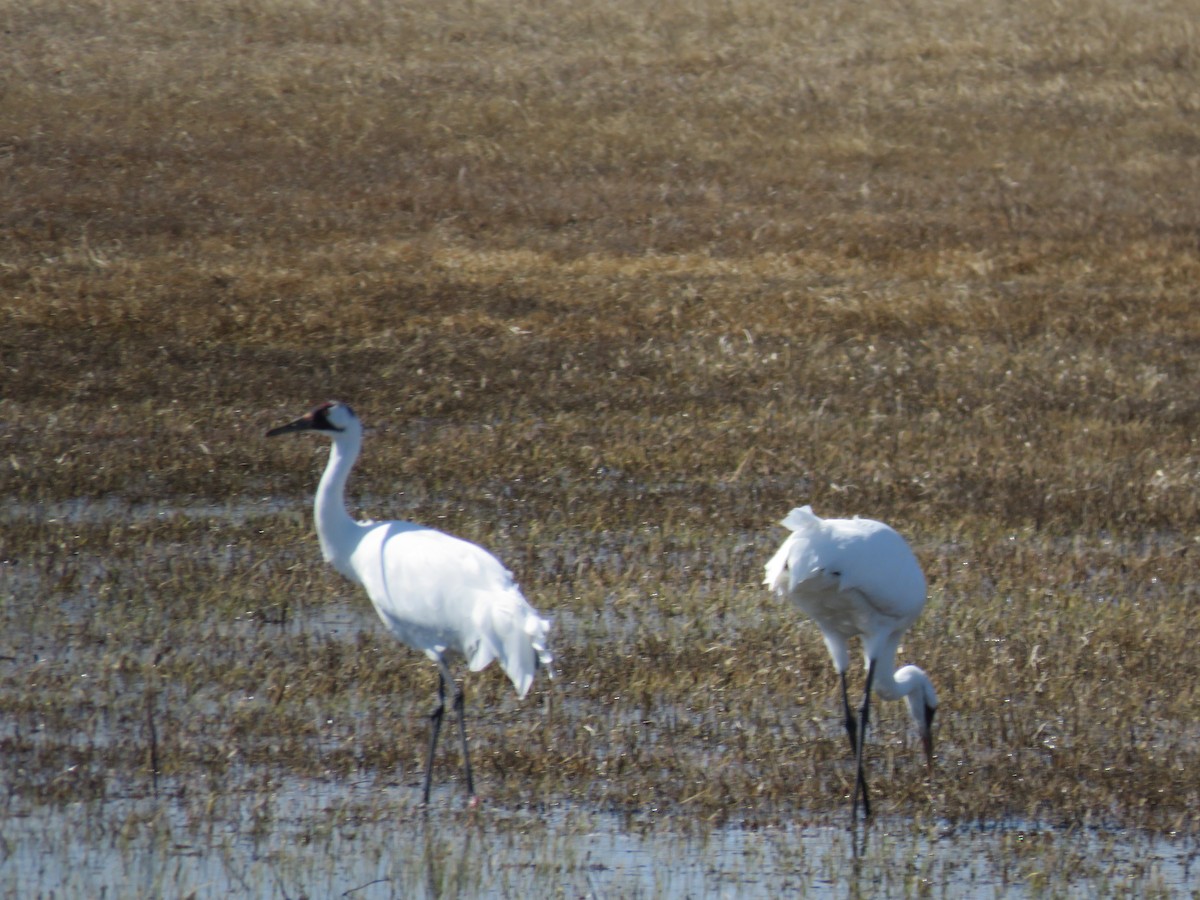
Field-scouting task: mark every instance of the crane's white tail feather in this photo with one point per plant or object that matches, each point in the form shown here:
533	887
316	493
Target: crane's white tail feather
513	633
801	519
778	571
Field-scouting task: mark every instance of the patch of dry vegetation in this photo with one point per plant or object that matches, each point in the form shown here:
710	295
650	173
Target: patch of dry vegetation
617	285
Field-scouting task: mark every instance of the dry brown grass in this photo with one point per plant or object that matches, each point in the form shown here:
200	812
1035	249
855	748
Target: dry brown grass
618	285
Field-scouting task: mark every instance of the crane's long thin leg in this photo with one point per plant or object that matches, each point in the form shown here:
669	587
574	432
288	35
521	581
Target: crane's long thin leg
860	780
851	722
460	708
435	722
460	704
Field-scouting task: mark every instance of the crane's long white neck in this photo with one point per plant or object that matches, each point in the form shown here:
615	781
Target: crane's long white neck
336	530
908	682
892	685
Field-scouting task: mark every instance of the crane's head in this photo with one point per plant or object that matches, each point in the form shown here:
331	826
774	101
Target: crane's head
922	704
330	417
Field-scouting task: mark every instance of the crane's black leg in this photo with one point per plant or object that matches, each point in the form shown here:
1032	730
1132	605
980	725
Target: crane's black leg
851	722
435	721
460	705
460	708
860	780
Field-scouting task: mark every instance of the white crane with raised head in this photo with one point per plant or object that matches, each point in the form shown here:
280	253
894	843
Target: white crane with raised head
437	593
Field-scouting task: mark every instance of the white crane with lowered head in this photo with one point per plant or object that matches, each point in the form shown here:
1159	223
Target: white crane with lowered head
436	593
858	578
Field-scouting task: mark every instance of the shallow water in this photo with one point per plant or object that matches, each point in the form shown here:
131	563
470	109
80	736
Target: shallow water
323	839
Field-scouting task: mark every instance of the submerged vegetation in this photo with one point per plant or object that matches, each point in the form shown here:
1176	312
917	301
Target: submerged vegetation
614	287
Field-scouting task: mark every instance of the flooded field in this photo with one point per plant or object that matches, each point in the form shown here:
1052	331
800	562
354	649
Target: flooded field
131	774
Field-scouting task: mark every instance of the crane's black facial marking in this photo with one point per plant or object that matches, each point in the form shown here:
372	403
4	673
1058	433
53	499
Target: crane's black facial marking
320	418
930	712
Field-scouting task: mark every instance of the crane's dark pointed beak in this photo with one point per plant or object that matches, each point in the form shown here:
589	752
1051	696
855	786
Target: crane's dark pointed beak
304	423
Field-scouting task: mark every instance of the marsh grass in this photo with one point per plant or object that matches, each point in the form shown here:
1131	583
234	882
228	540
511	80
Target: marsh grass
615	287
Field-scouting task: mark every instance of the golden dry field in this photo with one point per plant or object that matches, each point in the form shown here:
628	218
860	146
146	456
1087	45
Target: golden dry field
614	286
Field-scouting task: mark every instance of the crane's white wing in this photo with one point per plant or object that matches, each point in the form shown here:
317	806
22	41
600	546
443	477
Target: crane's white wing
436	592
